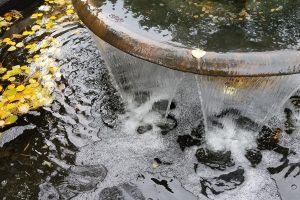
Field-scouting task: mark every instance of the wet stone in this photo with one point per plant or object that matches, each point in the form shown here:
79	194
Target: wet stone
266	139
133	191
295	100
112	193
222	183
199	131
167	124
254	156
144	128
93	171
185	141
82	178
289	124
110	108
215	160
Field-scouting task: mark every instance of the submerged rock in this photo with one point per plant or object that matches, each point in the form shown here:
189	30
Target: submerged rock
185	141
267	139
199	131
167	124
110	108
122	192
215	160
112	193
222	183
290	122
254	156
144	128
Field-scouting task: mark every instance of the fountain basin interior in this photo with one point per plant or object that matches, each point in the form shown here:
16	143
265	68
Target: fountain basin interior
257	38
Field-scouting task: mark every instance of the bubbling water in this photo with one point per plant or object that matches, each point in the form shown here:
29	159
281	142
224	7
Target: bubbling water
235	112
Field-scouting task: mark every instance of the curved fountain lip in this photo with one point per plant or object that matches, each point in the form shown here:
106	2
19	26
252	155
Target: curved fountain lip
268	63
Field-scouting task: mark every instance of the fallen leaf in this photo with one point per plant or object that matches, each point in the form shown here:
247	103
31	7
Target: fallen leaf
12	48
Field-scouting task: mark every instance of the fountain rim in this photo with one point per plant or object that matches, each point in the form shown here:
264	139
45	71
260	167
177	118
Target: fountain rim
231	64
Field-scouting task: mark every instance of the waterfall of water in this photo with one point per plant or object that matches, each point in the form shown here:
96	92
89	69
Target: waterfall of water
143	84
257	98
145	87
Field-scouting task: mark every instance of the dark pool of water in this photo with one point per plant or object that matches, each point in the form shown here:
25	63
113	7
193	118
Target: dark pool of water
76	149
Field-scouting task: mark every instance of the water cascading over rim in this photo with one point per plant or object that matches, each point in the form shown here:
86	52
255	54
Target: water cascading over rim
250	59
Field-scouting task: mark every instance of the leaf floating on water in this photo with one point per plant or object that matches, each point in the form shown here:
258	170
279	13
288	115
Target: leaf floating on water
36	15
2	70
20	88
35	27
12	48
24	108
20	45
2	123
12	119
70	11
198	53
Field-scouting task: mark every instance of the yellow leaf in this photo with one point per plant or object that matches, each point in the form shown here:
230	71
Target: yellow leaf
11	106
6	40
12	43
5	77
39	22
27	71
11	86
32	80
70	11
11	98
20	88
49	25
15	71
29	60
2	70
1	88
24	67
52	18
11	119
36	15
25	33
8	18
11	79
10	92
4	114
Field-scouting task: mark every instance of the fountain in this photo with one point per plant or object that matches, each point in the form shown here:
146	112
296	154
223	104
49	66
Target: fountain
244	54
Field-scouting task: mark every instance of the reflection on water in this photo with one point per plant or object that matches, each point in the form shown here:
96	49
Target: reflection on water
223	25
79	148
